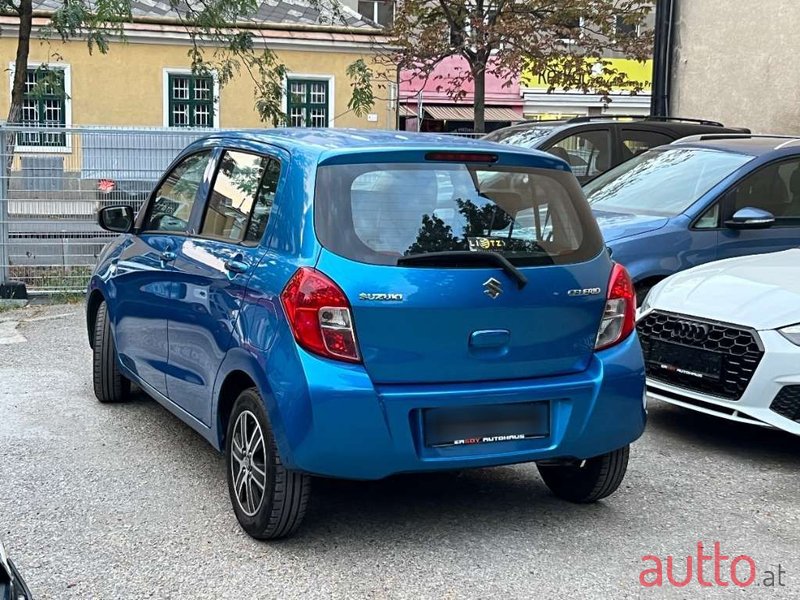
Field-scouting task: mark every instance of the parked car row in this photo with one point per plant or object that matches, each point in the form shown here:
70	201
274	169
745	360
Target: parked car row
720	334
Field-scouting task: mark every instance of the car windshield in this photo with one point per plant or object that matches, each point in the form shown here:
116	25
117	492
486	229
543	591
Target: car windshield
527	137
380	213
664	181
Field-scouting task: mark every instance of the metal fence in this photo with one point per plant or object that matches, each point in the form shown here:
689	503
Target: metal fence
52	181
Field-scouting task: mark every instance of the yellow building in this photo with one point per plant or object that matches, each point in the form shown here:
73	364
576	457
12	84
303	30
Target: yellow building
146	80
540	104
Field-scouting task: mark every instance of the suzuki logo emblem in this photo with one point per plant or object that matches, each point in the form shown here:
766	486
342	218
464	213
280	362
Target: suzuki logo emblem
492	288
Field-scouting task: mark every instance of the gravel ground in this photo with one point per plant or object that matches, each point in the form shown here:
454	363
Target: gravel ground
127	502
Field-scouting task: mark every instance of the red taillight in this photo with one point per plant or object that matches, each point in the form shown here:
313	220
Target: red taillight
319	315
619	314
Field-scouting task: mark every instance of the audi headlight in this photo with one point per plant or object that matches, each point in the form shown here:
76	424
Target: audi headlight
791	333
644	306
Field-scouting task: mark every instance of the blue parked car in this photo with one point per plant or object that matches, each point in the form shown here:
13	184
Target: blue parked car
697	200
359	304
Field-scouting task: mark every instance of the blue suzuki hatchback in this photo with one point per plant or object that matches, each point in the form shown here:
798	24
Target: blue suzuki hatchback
358	304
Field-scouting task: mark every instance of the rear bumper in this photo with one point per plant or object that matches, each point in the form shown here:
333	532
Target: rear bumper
346	427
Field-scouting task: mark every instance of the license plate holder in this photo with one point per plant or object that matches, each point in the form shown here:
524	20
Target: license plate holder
485	424
666	357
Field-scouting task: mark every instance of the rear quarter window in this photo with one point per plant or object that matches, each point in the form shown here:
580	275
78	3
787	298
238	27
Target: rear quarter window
378	213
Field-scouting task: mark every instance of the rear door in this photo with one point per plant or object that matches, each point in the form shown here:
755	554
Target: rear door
424	314
212	270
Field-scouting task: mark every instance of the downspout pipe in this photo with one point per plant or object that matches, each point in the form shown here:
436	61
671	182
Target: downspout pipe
663	52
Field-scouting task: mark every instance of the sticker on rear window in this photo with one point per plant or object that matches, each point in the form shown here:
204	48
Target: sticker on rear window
477	244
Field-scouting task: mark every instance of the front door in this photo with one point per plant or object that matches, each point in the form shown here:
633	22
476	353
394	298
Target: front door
145	274
776	189
213	268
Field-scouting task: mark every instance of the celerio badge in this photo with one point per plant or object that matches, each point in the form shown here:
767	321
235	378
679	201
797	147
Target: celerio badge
584	292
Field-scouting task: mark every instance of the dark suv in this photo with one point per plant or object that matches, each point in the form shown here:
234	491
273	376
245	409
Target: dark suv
594	145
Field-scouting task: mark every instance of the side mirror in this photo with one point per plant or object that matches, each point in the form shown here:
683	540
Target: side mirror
118	219
751	218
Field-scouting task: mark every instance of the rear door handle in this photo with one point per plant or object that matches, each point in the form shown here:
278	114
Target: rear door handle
235	266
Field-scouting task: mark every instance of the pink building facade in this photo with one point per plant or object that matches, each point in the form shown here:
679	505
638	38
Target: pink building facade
430	100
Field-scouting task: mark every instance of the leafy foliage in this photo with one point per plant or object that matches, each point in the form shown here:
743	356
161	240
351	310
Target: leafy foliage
566	38
363	97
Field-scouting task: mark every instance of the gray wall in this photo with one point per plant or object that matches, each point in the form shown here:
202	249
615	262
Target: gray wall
738	61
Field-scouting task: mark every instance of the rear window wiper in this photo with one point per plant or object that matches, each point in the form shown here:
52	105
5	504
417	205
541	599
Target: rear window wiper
465	256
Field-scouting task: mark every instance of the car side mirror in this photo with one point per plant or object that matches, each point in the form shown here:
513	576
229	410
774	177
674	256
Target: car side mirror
118	219
751	218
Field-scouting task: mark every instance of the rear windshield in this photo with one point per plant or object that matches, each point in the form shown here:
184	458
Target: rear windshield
377	213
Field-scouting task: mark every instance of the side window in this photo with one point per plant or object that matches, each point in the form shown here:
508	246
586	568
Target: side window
264	201
233	196
635	142
173	201
588	153
775	188
709	219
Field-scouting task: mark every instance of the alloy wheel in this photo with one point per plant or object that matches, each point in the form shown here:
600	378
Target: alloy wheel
248	463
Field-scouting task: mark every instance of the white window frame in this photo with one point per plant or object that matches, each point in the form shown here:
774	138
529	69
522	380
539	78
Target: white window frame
374	16
331	92
66	68
165	73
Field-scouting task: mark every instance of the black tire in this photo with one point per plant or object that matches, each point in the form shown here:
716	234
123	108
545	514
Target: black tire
587	481
282	505
642	289
110	385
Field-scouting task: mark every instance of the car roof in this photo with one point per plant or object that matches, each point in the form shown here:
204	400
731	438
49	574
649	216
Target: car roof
323	139
755	145
319	143
677	127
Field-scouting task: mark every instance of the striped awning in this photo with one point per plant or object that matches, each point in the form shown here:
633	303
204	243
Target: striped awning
407	111
467	113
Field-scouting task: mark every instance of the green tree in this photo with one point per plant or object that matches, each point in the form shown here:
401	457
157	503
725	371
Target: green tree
567	39
224	39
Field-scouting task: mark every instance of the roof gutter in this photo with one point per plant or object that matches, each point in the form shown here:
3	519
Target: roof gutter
662	58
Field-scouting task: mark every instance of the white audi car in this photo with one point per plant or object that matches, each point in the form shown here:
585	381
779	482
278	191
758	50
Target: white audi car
724	339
